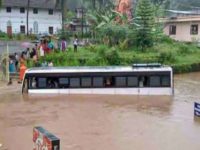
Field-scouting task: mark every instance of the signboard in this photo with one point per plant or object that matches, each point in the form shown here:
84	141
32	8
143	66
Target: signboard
43	140
197	109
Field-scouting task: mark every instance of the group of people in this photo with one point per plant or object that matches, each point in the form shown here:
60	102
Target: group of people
45	46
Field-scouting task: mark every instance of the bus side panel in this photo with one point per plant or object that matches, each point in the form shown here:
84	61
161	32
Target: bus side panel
160	91
126	91
80	91
44	91
110	91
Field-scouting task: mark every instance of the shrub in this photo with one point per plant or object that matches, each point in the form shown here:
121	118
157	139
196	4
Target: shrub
123	45
32	37
166	57
20	36
167	39
112	57
186	49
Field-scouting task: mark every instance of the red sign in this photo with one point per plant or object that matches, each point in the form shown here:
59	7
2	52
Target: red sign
43	140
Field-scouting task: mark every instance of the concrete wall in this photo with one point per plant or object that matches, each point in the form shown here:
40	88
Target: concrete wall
43	19
183	31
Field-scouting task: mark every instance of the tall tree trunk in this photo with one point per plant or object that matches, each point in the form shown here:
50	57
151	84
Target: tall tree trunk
27	18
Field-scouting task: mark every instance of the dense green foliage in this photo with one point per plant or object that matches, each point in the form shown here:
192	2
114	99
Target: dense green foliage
183	57
145	20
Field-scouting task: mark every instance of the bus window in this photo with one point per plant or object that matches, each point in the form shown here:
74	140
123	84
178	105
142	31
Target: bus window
120	81
75	82
143	81
98	81
63	82
109	81
33	83
154	81
132	81
52	83
86	82
165	81
42	82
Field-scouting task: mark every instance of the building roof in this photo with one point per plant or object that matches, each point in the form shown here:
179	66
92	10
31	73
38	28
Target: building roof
183	12
45	4
180	19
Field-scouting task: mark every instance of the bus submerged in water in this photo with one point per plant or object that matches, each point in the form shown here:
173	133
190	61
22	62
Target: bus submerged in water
138	79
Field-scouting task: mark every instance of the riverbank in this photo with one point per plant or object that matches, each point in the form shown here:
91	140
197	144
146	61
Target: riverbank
181	56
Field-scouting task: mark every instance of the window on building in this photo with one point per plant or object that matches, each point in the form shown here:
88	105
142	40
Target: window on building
50	11
8	9
22	10
50	30
35	11
194	29
172	30
22	29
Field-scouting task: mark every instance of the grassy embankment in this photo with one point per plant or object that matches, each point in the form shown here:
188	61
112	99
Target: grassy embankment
181	56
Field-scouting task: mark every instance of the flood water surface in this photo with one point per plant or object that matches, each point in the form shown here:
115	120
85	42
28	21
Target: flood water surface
96	122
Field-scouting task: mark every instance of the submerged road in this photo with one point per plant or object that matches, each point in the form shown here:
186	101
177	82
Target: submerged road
94	122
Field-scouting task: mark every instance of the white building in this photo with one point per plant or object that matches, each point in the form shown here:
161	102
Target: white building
44	16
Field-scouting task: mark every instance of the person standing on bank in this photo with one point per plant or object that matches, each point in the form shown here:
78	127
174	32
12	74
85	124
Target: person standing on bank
75	42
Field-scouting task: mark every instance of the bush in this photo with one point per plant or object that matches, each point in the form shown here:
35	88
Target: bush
32	37
112	34
167	39
186	49
123	45
20	36
166	57
112	57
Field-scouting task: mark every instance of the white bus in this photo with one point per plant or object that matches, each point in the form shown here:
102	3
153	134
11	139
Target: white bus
139	79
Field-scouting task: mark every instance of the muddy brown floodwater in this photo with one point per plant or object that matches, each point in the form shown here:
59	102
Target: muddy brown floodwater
94	122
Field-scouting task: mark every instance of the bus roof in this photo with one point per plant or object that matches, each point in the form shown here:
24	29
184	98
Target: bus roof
97	69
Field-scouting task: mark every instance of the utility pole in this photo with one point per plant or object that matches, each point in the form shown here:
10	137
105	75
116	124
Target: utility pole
27	17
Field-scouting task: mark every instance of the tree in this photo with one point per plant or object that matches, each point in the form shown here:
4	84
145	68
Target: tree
145	21
0	3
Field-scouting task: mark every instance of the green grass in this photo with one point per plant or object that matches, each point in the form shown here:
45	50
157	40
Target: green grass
183	57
